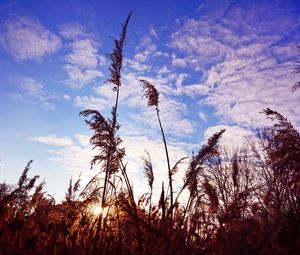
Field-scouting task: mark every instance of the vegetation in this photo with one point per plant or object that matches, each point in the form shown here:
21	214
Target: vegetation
242	201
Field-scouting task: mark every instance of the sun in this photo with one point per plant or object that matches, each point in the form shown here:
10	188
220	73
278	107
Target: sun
97	210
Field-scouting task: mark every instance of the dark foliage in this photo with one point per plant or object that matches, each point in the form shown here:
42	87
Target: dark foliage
242	201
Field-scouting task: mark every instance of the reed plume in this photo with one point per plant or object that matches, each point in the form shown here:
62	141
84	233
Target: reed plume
105	136
151	93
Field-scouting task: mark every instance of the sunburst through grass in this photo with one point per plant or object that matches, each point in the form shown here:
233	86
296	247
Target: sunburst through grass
98	209
240	201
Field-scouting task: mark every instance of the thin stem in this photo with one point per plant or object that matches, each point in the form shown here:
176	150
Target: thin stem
103	202
169	168
150	201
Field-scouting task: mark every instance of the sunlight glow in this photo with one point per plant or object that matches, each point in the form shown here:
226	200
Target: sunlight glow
97	210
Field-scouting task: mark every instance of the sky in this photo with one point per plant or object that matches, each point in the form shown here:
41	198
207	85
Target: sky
216	64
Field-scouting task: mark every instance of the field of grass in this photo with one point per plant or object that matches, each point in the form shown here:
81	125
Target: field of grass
240	201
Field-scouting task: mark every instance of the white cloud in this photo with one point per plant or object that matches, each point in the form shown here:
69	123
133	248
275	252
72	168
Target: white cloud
245	65
164	70
233	137
202	116
153	33
83	140
72	31
146	53
179	80
66	97
181	62
76	159
167	83
91	102
84	54
83	62
79	77
103	97
195	40
54	140
34	92
158	54
140	57
136	65
135	150
241	91
31	87
173	116
130	91
26	38
147	40
196	90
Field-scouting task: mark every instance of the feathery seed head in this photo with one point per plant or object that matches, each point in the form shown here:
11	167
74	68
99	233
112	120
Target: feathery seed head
151	93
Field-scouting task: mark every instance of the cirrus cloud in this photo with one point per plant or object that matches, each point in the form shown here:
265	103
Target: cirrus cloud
245	64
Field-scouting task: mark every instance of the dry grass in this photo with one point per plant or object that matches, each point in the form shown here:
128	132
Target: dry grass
245	201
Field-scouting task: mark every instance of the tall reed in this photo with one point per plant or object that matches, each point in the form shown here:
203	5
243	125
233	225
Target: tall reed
105	136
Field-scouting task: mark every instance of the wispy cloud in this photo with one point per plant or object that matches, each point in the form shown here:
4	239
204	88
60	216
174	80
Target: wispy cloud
66	97
83	140
164	70
91	102
34	92
145	50
83	62
194	39
54	140
135	150
74	154
147	39
84	54
173	114
142	56
202	116
136	65
78	77
196	90
245	63
76	158
72	31
178	62
234	135
26	38
130	91
32	88
241	93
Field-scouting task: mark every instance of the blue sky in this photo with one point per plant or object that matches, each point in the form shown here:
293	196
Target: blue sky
216	64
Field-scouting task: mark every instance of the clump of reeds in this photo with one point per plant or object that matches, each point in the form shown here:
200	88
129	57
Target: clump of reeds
240	202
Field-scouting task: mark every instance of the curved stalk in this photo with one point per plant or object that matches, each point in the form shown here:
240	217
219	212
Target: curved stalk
169	168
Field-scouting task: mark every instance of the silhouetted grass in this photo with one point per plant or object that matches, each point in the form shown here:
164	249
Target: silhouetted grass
242	201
